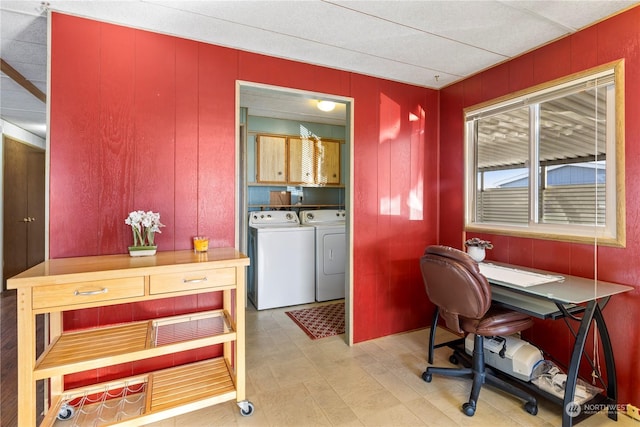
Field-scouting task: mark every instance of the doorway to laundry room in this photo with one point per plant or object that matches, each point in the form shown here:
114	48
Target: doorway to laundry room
294	157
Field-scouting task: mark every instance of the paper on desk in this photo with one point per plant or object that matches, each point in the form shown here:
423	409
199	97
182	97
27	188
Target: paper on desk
515	277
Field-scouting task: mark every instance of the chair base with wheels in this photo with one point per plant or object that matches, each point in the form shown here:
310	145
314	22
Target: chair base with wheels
480	376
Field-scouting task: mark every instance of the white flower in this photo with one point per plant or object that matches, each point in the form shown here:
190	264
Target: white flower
144	225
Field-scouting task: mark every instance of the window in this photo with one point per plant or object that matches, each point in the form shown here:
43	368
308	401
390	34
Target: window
549	162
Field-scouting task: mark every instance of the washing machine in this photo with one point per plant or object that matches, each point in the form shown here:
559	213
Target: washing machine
330	251
282	266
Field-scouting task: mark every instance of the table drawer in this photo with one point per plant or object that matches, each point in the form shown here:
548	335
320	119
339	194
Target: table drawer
200	279
87	292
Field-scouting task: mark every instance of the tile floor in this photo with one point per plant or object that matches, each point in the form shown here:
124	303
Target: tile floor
295	381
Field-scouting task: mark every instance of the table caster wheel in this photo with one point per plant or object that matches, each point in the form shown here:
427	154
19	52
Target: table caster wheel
246	408
426	377
66	412
453	359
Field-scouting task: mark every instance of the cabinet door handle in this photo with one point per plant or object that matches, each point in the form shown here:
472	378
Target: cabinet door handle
203	279
96	292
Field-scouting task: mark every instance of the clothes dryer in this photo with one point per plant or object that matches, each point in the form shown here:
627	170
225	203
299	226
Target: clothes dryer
281	272
330	251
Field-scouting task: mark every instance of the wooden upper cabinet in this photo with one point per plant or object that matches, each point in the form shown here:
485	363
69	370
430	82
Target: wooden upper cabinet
271	154
296	160
301	161
328	162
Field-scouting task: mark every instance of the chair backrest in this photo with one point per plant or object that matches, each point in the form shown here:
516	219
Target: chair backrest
454	283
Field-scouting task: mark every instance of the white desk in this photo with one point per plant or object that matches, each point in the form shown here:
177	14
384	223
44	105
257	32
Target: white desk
566	299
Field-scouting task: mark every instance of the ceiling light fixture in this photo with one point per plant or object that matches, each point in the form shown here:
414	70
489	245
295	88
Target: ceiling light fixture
326	106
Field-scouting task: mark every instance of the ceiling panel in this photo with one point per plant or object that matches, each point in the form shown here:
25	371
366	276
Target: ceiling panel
267	102
426	43
573	14
26	112
21	52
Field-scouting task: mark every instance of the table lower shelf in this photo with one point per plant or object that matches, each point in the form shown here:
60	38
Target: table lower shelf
94	348
146	398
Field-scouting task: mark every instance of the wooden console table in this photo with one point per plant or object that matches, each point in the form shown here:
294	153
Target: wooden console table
58	285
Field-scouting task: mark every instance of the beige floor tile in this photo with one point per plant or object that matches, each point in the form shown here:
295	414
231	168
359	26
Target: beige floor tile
298	411
429	414
601	419
342	416
402	391
363	403
394	416
215	415
294	370
171	422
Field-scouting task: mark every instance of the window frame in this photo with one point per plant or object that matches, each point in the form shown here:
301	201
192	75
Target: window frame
613	231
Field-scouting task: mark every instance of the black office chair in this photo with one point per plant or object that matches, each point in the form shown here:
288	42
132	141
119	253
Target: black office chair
463	298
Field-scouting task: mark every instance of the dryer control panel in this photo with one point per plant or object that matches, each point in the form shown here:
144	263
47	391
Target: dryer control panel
322	216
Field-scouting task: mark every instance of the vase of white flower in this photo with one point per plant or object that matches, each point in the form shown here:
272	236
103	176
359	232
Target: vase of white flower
144	225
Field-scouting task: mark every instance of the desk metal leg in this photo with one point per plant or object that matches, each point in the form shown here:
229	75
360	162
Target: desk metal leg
607	349
574	365
591	313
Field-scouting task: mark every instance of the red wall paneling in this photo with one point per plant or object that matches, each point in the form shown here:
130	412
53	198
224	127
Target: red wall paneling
116	133
216	149
75	75
185	224
155	130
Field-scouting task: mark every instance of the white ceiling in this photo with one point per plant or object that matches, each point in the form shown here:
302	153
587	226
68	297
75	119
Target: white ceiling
425	43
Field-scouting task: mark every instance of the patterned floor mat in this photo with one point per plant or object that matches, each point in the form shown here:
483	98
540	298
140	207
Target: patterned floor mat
320	321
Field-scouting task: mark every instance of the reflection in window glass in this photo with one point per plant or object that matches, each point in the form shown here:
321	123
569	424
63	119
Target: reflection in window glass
573	128
503	190
504	197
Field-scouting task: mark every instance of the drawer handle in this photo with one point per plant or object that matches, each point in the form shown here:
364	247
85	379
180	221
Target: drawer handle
204	279
85	293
